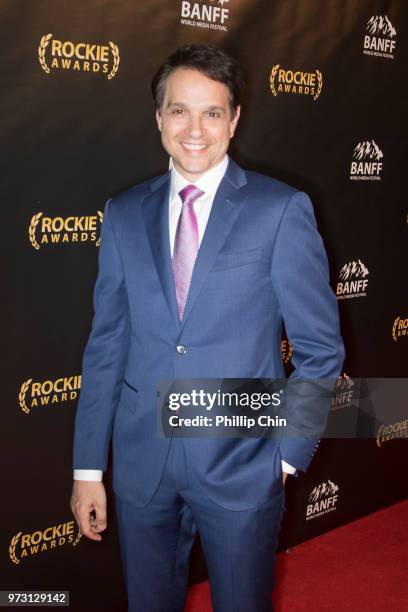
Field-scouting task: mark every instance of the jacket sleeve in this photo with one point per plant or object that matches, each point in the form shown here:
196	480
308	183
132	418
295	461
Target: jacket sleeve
104	358
300	278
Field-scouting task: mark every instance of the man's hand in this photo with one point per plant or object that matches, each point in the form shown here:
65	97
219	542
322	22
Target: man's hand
284	476
89	497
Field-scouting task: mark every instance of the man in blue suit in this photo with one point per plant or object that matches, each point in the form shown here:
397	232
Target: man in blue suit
198	270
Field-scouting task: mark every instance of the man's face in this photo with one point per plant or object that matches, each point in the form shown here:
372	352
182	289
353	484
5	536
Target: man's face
195	122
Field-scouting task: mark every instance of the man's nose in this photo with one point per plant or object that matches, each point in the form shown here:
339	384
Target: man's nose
196	127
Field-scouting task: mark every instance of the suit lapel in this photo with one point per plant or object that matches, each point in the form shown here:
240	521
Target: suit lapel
226	207
156	215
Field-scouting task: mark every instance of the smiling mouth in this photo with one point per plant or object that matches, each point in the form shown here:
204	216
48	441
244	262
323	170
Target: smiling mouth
190	146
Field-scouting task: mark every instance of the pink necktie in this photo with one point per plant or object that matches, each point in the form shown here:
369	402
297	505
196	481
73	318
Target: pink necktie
185	245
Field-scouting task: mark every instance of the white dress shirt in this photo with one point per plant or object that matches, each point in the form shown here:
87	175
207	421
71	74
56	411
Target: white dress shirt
208	183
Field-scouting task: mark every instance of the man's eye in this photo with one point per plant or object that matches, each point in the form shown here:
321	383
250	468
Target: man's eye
178	111
213	114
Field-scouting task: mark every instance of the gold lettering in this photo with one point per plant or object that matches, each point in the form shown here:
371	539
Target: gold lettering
46	224
56	47
68	49
36	537
35	389
45	536
77	50
104	54
25	540
57	386
46	387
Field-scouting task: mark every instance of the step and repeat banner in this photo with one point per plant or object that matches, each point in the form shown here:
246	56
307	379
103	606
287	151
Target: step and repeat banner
324	111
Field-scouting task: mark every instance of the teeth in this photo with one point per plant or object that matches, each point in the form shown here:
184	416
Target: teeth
194	147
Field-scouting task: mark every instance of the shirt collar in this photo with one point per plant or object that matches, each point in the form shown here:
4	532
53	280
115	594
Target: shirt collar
208	182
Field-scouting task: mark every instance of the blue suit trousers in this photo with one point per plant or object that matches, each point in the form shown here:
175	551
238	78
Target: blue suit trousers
239	545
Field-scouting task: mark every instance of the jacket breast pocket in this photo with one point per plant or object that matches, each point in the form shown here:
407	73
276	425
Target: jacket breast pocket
225	261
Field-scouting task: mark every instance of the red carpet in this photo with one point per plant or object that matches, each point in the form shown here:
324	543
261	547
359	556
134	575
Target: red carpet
361	567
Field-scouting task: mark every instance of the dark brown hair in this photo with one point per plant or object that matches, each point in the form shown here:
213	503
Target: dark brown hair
210	61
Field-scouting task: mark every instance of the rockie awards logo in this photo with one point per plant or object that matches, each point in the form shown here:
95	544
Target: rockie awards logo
393	431
210	14
379	39
322	500
353	280
399	328
295	82
343	392
56	54
366	164
24	545
33	394
55	230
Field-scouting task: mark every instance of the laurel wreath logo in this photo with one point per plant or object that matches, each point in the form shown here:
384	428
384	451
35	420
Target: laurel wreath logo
15	539
319	84
12	548
44	42
100	217
394	329
79	536
116	59
21	396
31	230
272	79
379	434
287	353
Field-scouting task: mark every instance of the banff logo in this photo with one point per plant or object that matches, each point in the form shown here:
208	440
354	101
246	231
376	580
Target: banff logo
366	164
379	40
322	500
353	280
210	14
343	392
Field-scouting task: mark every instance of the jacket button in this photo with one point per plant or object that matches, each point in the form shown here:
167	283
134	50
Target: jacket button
181	349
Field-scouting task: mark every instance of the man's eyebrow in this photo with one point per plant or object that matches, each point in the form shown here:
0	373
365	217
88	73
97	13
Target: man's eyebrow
216	108
178	104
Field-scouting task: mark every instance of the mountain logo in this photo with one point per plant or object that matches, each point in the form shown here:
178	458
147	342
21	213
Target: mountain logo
379	39
353	280
380	26
367	150
366	164
322	500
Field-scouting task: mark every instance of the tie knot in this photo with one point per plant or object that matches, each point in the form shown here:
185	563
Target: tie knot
190	193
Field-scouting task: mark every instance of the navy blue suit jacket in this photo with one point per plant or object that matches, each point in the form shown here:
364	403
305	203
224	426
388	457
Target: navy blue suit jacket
261	262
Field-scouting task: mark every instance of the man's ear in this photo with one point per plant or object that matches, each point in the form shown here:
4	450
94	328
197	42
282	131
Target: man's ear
159	120
234	121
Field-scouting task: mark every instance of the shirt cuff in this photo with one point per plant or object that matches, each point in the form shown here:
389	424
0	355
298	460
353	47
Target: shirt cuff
94	475
287	468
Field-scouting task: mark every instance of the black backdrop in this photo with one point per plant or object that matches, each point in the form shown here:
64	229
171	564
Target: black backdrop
72	136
